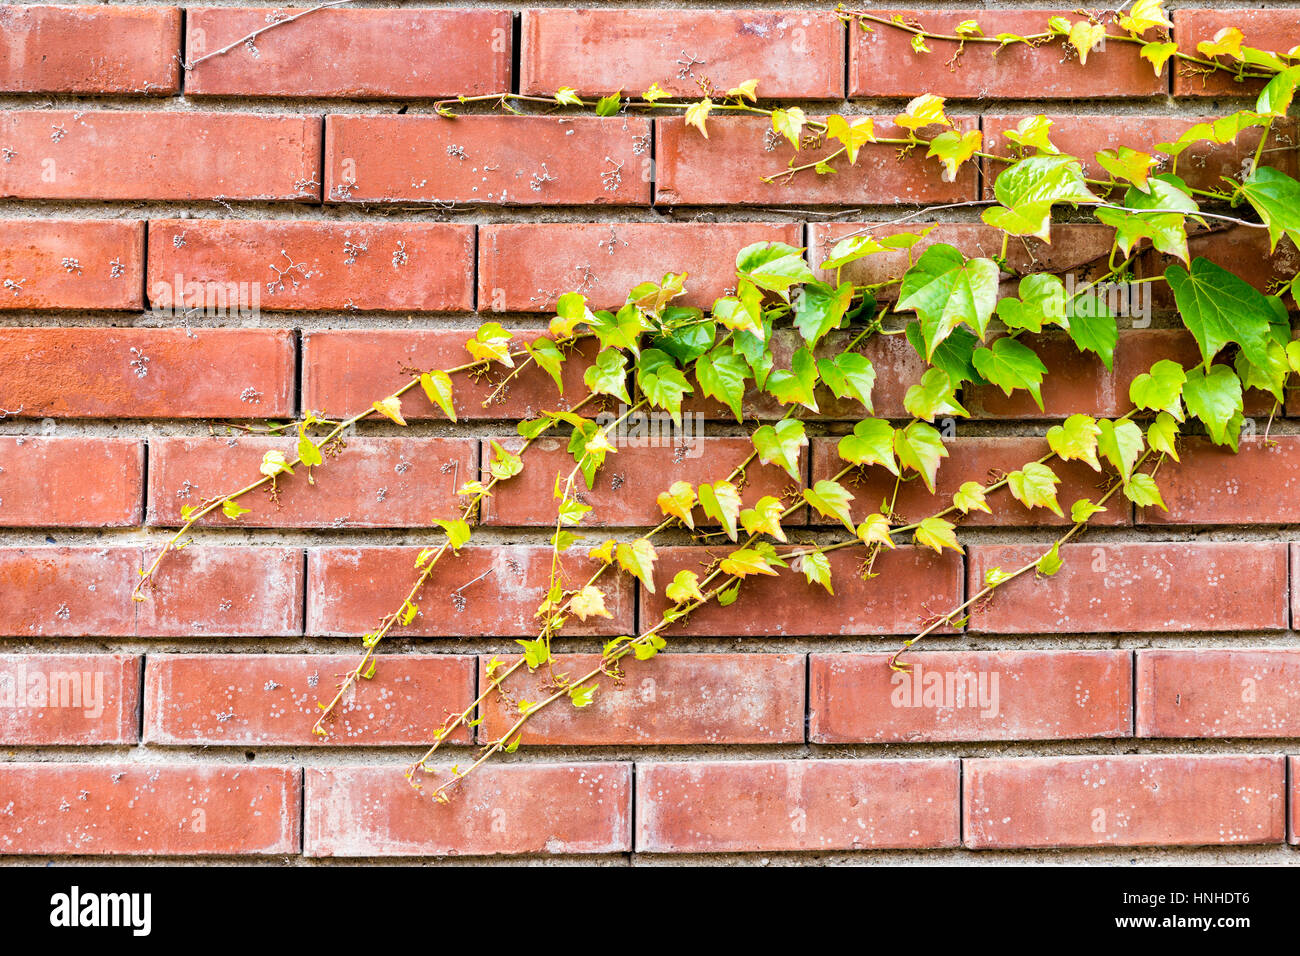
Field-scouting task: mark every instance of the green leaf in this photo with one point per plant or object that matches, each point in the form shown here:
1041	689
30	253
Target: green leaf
938	534
662	382
953	354
819	308
1161	389
1142	491
1076	439
1034	486
608	105
849	375
504	464
548	358
1120	443
971	497
722	375
582	696
872	443
437	387
688	342
1041	302
536	652
721	502
798	385
619	331
309	452
1218	308
650	645
1050	562
764	518
780	444
608	375
816	567
1162	435
1093	328
1083	509
1029	188
933	396
831	499
945	289
773	266
1214	397
1276	197
919	448
638	559
458	532
1010	364
1275	99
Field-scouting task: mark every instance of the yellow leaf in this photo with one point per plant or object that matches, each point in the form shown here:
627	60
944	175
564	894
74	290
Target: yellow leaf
924	110
851	134
875	530
764	518
937	534
745	562
391	408
789	123
747	90
1227	42
604	552
638	559
589	602
656	92
678	501
1143	15
1084	36
697	113
685	587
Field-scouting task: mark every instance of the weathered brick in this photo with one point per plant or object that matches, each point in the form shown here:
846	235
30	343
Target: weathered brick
493	160
1137	800
1273	30
970	695
70	482
727	168
627	487
89	49
1218	693
70	264
671	699
146	373
913	586
375	54
1176	586
793	53
68	592
775	805
313	266
984	460
523	267
350	589
248	699
882	62
345	370
1295	800
150	809
1203	165
100	154
224	591
371	483
498	810
69	699
1212	485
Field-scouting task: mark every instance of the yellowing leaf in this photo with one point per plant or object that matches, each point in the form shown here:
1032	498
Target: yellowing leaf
852	134
274	463
970	497
1084	36
875	530
391	408
1227	42
789	123
1034	486
721	501
747	90
638	559
816	567
437	387
924	110
491	344
698	113
458	532
678	501
764	518
567	96
1157	54
589	602
831	499
1143	15
603	552
685	587
656	92
745	562
938	534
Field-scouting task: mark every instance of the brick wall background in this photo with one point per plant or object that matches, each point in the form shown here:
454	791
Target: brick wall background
1149	703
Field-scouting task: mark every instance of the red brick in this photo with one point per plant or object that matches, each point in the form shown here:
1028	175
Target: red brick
882	63
373	54
68	592
970	695
248	699
1138	800
69	699
1202	166
627	487
777	805
89	49
1175	586
350	589
792	53
523	267
969	459
1218	693
60	154
344	371
727	167
488	160
672	699
147	373
1078	249
1273	30
1294	775
66	264
372	483
1212	485
70	482
913	586
61	809
304	266
220	591
500	809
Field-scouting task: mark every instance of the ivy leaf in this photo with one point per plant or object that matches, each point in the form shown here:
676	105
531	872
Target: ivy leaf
1214	397
567	96
662	382
971	497
1084	36
619	331
536	653
721	502
872	443
831	499
1050	562
764	518
1276	197
852	135
679	501
689	341
1083	509
789	123
1093	328
819	308
743	563
1161	389
232	510
274	463
742	312
1034	486
1275	99
773	266
309	452
1029	188
1157	54
1142	491
953	354
438	389
1127	164
1143	16
1076	439
849	375
583	696
919	448
390	408
924	110
798	384
945	289
1041	302
875	530
638	559
649	646
1010	364
1120	443
684	587
608	105
816	567
932	396
952	149
697	115
589	602
780	444
1218	308
504	464
548	358
491	343
722	375
1162	435
608	375
936	533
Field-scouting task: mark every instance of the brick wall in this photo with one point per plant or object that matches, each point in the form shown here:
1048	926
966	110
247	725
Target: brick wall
1148	696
